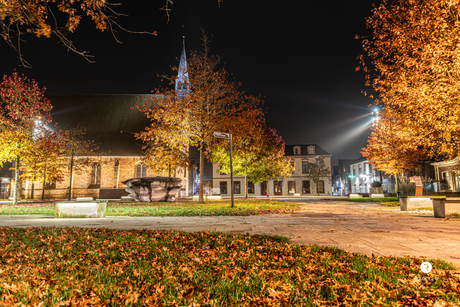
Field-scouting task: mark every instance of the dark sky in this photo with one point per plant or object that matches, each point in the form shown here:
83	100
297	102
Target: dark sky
299	55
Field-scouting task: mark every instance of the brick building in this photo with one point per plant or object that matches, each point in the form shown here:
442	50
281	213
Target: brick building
111	123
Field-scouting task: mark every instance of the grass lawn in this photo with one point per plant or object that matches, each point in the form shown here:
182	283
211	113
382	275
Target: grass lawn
111	267
177	208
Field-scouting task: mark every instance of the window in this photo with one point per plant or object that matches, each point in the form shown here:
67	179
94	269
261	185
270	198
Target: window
321	186
116	164
50	185
293	165
96	174
291	187
311	150
141	170
223	187
250	187
359	169
305	187
236	187
304	167
354	171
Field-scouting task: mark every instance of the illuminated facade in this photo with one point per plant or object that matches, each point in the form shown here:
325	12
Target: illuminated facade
299	184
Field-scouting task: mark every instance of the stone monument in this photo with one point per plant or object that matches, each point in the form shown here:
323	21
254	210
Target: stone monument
153	188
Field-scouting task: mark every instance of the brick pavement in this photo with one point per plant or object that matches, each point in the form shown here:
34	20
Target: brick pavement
355	227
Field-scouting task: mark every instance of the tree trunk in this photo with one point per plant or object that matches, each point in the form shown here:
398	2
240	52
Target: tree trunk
317	189
70	174
44	182
201	187
16	182
268	188
32	190
396	184
246	184
169	170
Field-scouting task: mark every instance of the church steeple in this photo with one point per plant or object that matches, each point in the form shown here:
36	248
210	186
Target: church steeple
182	81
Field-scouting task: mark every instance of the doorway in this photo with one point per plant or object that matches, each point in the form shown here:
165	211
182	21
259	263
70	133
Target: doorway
278	187
263	188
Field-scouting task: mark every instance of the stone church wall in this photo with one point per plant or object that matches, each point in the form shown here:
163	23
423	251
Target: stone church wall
111	177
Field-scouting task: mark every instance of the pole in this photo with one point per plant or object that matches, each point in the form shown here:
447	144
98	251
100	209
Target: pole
231	170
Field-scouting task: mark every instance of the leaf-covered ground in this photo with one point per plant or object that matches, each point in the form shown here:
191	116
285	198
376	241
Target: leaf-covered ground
177	208
110	267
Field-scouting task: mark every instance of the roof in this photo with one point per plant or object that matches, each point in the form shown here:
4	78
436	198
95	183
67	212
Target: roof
108	120
289	150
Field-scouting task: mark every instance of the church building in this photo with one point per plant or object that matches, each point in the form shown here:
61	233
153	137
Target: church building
111	123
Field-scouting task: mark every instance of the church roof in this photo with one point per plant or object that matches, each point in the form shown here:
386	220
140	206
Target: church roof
108	119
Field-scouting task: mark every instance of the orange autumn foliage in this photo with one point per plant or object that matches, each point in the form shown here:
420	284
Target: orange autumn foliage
413	64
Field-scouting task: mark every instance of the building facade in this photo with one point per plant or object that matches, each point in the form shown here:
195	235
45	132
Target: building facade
299	183
447	175
362	176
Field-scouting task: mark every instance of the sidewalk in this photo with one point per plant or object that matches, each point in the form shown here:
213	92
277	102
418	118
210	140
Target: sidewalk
355	227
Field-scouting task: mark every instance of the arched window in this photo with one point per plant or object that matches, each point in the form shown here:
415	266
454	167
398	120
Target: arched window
96	174
141	170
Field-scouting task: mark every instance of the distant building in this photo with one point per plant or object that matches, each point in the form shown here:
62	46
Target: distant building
300	183
447	175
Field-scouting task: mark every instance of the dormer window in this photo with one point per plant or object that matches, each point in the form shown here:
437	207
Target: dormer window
311	150
297	150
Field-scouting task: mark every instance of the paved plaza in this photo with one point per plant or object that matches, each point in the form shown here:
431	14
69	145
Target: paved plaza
354	227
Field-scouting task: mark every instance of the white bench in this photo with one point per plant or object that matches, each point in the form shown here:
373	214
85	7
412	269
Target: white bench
377	195
207	197
355	195
411	203
80	209
446	207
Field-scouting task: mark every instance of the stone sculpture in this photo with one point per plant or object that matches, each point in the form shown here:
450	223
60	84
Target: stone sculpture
153	188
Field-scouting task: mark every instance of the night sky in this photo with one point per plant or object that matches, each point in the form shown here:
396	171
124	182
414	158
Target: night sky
299	55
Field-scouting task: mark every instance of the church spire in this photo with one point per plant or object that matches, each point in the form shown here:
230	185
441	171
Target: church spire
182	80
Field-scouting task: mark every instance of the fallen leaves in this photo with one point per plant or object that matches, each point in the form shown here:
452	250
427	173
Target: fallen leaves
75	266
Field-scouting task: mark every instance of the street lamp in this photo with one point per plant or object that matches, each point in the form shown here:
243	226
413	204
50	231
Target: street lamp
228	136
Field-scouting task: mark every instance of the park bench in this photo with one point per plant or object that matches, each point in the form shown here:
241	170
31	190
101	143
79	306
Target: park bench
80	209
446	207
355	195
208	197
410	203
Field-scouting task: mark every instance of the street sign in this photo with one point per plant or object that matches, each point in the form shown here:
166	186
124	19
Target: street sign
222	135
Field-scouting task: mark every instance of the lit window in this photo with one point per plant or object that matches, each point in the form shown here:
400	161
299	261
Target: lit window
96	174
291	187
141	170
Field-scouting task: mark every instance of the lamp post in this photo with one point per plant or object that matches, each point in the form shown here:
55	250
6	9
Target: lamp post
228	136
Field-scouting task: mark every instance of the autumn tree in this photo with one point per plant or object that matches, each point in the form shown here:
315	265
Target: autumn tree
412	63
161	157
213	103
392	148
79	151
318	170
45	162
258	155
22	102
